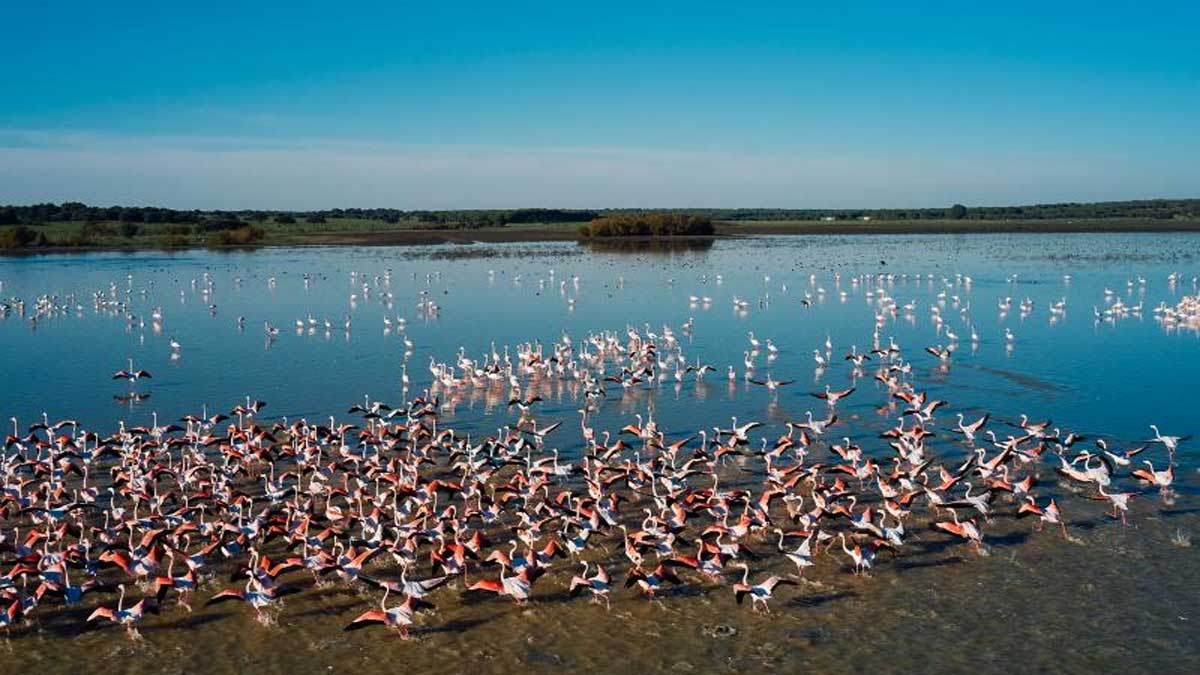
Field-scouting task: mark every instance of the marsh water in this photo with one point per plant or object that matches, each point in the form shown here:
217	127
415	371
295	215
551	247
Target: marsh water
1107	597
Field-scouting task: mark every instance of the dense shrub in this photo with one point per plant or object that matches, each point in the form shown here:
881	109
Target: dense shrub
222	225
16	237
549	216
93	229
129	229
285	219
247	234
648	225
178	229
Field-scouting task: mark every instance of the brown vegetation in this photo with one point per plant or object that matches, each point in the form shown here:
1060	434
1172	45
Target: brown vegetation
648	225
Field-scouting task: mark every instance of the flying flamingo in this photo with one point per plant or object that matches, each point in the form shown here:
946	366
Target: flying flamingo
1050	514
1162	479
802	555
397	618
598	584
122	616
863	559
519	588
131	374
759	593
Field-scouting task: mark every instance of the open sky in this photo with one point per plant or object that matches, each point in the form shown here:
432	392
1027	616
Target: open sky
301	105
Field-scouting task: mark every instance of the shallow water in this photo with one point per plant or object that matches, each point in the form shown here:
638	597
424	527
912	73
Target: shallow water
1108	597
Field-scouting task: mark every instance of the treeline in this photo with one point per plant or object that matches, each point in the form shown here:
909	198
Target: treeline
219	220
39	214
466	218
219	233
499	218
656	224
1158	209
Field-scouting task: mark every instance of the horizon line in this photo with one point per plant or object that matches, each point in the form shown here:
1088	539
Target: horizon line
1139	200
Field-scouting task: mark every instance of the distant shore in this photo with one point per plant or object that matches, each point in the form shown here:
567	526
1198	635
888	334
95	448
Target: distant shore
413	236
742	228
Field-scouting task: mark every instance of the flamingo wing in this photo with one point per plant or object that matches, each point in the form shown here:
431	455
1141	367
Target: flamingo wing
1143	474
227	594
367	618
434	582
578	583
488	585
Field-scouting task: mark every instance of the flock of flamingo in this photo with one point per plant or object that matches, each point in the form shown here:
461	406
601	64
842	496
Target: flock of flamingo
397	503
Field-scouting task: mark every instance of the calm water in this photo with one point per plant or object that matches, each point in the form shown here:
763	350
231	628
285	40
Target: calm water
1121	596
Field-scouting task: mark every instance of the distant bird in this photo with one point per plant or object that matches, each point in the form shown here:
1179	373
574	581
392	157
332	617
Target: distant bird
832	397
771	384
1171	443
131	374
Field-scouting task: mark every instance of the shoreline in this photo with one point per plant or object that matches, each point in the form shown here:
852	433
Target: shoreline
727	229
724	230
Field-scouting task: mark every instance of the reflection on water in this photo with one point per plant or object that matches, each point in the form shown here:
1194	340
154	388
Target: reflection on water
651	246
355	322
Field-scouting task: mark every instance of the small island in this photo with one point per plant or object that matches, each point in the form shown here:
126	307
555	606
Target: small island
658	224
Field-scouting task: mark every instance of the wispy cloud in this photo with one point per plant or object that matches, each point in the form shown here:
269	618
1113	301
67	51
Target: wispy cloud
232	172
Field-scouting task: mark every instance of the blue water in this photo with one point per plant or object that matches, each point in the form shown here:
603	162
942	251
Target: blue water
69	321
1097	378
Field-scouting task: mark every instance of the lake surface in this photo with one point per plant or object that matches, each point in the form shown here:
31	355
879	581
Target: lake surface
1110	596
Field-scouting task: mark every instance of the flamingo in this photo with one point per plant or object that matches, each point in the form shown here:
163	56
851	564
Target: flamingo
969	430
802	555
862	558
1050	514
1119	501
771	384
519	588
131	374
120	615
598	584
832	397
255	594
1162	479
397	618
966	529
651	583
760	594
1171	443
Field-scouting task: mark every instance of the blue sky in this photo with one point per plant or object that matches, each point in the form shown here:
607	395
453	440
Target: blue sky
312	105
